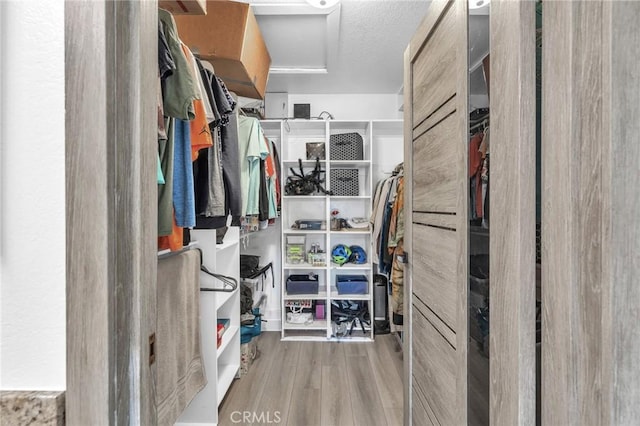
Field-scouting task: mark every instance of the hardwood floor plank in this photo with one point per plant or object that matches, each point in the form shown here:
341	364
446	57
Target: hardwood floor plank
335	401
365	399
355	349
320	384
304	408
389	383
244	392
278	389
333	354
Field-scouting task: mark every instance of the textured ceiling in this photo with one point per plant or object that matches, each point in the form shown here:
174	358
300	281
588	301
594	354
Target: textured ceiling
365	57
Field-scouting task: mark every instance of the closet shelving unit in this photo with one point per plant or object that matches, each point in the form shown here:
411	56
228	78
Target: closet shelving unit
294	134
221	363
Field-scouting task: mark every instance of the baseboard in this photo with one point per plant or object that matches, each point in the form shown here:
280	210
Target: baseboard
272	325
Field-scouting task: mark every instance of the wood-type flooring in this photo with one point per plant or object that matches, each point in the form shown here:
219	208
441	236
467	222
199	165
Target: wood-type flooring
318	384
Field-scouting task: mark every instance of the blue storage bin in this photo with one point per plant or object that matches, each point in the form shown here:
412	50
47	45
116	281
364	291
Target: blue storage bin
352	284
302	284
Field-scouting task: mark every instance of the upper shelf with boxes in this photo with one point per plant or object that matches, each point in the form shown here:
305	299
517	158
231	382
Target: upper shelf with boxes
228	36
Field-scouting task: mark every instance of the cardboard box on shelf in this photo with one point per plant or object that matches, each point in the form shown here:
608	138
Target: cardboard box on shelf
184	7
229	37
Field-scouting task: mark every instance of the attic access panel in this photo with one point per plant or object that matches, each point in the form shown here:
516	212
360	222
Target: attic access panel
295	41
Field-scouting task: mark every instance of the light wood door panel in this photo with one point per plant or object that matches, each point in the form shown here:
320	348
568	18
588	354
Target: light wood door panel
436	151
435	271
435	181
421	410
434	370
433	79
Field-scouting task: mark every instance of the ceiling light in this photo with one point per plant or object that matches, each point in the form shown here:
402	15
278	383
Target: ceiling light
325	4
477	4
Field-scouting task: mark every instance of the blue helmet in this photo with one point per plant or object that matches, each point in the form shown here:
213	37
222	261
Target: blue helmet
358	255
340	254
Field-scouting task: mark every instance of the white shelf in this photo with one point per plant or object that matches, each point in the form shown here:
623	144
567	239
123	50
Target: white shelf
222	362
351	266
294	139
227	337
303	266
226	244
336	296
319	295
355	231
303	231
315	325
226	374
305	163
223	297
350	163
303	197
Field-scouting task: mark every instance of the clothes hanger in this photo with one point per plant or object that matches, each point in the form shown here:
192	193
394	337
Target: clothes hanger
230	283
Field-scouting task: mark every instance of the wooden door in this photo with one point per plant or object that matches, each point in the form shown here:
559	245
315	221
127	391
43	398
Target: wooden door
591	200
436	152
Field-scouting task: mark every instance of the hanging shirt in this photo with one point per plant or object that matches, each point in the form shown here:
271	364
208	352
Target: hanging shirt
165	192
231	167
276	160
252	150
271	177
216	193
475	170
179	92
205	78
166	64
224	100
162	133
183	195
199	126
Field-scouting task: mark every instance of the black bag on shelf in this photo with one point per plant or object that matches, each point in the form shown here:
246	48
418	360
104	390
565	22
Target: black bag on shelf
249	265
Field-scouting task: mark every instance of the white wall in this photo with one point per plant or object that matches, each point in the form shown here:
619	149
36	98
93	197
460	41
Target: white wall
32	194
267	245
350	106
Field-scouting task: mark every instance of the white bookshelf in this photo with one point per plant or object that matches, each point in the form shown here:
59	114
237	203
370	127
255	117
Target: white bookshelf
221	363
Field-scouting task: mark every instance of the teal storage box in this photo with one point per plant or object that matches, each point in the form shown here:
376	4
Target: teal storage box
352	284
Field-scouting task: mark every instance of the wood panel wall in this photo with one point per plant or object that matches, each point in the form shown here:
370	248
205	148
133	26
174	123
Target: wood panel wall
513	213
111	65
591	228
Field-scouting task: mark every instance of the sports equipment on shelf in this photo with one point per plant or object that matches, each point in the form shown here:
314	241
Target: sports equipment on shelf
340	254
358	255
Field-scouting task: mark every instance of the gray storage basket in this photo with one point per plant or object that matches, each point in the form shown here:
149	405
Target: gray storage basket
344	182
346	146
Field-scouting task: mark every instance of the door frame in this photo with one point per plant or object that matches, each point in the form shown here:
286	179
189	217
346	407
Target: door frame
111	210
513	213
